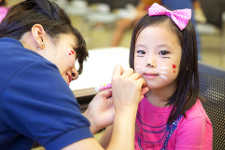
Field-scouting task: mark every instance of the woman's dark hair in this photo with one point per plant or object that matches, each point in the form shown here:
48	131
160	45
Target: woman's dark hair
2	3
186	94
21	18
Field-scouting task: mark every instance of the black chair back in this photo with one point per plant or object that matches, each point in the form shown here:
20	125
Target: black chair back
212	89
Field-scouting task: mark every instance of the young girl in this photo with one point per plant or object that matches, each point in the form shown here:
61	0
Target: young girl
164	52
39	47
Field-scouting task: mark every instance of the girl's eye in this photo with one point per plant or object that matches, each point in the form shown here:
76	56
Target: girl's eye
141	52
164	52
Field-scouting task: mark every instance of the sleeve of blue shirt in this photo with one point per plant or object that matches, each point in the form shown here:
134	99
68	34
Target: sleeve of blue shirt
40	105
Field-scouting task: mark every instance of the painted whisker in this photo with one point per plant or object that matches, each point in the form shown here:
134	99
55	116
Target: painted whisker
165	72
73	61
163	77
137	67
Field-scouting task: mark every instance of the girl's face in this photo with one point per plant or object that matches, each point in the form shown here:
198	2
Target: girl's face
62	54
157	57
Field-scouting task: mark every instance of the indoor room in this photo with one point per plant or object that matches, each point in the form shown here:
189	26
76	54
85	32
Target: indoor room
107	27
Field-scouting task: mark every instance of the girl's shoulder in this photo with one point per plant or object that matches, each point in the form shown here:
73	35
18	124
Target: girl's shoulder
196	112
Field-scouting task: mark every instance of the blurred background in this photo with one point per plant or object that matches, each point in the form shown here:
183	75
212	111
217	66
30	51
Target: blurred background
98	21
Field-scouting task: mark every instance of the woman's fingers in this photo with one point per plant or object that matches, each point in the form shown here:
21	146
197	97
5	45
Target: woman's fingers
135	76
127	88
129	72
144	90
118	71
106	93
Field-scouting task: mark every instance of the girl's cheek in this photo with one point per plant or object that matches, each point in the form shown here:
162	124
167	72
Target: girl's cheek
137	64
174	68
137	68
165	72
168	71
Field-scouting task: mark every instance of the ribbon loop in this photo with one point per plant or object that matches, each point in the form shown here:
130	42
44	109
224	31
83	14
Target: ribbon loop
180	17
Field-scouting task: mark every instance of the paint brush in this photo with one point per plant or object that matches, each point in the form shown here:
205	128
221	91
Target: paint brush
103	87
107	86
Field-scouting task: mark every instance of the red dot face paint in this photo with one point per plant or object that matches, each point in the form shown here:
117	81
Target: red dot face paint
174	66
69	53
72	51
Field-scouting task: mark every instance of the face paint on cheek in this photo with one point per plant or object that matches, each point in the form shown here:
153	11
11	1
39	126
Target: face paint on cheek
174	67
71	56
72	52
136	70
163	77
164	72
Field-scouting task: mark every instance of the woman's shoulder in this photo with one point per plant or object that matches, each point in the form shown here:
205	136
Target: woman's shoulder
11	47
14	55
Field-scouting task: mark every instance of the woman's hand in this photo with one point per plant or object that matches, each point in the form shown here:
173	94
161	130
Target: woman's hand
100	111
127	89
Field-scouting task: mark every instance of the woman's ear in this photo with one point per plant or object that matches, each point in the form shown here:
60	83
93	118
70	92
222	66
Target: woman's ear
38	33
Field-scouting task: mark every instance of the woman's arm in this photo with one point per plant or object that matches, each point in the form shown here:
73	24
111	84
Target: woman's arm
125	100
106	137
100	111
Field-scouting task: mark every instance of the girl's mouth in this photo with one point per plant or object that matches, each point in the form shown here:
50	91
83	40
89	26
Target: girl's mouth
151	75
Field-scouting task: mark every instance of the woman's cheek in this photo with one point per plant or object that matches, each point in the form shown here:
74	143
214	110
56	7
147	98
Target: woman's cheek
71	58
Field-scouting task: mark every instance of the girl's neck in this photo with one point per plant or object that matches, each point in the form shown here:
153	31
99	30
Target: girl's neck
159	97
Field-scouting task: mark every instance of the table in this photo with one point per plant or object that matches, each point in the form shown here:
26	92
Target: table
98	69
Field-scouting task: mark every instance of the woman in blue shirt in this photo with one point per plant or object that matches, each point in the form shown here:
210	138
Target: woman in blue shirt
39	47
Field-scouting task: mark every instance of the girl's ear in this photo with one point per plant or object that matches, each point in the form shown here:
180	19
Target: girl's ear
38	33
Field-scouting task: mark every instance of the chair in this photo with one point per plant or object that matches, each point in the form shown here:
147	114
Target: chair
212	89
97	21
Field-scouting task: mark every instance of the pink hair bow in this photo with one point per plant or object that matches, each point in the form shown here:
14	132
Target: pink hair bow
180	17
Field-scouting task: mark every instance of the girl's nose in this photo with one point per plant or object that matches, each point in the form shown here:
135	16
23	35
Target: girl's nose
151	62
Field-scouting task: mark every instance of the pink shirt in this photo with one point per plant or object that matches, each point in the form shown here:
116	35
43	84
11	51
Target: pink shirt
3	12
191	133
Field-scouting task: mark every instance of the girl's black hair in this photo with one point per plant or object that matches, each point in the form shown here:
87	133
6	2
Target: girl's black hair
22	16
187	90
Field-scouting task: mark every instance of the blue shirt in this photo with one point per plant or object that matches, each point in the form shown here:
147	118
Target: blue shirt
36	103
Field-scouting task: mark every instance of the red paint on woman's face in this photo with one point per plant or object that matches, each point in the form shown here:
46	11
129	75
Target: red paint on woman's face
72	52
